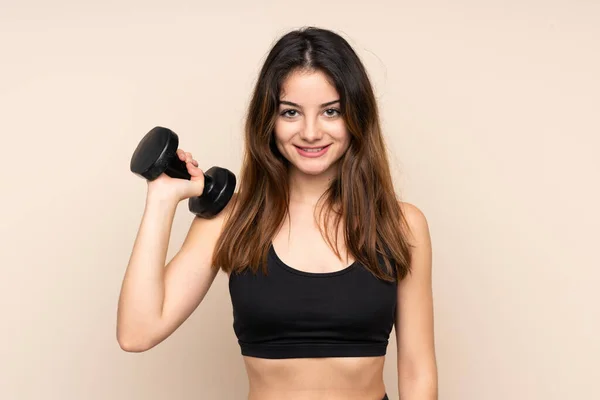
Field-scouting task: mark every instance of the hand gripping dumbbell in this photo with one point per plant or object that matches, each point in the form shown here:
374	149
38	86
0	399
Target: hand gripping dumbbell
157	153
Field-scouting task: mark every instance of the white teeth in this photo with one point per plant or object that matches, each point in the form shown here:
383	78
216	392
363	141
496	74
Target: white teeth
313	150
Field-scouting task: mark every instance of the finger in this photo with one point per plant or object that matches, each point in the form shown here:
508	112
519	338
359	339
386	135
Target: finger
188	156
194	163
194	171
181	154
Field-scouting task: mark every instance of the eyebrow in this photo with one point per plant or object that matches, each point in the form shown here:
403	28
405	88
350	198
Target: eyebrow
289	103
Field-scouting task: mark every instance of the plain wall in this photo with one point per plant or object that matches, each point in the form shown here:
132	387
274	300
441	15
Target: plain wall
491	113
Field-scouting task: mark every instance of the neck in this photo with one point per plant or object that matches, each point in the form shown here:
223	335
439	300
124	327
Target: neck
308	189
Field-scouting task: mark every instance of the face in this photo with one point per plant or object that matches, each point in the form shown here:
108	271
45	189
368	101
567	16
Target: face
310	131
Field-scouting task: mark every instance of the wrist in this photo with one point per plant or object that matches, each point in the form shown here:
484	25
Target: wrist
162	198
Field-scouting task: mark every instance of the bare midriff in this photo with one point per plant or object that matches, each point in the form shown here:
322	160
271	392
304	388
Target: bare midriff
344	378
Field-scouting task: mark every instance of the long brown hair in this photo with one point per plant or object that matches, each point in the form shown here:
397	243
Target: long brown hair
361	196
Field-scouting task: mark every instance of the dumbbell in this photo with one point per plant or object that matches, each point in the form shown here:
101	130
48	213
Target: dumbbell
157	153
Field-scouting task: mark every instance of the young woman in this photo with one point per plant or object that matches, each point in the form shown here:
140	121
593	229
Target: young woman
322	258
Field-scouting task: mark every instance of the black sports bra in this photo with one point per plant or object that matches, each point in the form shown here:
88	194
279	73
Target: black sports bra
296	314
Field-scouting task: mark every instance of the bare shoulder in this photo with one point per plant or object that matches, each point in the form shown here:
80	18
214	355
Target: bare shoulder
416	222
414	320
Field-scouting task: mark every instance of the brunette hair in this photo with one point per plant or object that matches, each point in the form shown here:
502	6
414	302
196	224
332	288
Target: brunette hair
361	196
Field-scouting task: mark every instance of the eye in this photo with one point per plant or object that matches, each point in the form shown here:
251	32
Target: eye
286	113
332	112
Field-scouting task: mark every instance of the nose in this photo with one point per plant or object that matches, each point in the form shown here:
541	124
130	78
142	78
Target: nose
311	131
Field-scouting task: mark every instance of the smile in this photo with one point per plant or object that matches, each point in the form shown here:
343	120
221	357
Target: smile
312	152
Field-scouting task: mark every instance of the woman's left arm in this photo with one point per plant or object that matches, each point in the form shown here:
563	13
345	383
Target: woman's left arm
417	367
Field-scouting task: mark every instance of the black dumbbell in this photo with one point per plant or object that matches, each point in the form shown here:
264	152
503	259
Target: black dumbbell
157	153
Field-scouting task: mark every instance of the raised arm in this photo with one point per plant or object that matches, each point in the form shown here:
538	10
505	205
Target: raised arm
156	299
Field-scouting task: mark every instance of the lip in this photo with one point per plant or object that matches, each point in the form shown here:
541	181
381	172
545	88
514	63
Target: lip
312	154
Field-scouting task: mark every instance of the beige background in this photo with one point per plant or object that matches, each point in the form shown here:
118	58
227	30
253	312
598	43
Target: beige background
491	111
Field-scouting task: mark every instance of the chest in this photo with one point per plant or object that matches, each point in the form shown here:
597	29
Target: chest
301	245
287	300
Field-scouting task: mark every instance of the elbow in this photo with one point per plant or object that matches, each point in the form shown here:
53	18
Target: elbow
425	379
421	383
133	346
422	389
134	342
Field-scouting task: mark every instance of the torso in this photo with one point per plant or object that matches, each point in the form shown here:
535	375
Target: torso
315	378
343	378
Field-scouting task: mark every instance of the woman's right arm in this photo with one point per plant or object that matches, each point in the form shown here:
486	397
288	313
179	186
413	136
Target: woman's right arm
156	299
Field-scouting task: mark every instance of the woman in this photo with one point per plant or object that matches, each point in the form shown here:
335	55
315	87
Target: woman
322	258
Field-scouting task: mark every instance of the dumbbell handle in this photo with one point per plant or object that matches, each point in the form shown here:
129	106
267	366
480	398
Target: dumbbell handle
178	169
156	153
